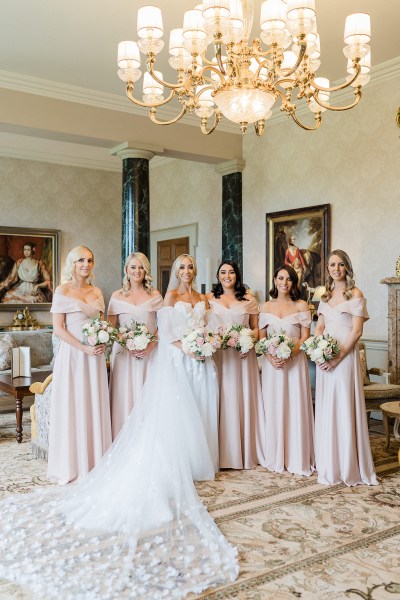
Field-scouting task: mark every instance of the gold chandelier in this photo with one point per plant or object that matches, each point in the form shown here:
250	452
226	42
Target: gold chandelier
239	79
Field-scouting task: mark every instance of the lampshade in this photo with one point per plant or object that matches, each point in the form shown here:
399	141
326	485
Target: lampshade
273	15
319	292
128	55
151	87
149	22
213	9
357	29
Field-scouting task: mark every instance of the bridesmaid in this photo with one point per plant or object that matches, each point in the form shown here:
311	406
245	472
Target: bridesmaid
240	441
289	432
80	425
342	449
136	301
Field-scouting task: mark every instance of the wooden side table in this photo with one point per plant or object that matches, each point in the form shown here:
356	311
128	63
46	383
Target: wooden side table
389	409
19	388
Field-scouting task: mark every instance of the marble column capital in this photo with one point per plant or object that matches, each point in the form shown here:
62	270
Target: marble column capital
132	150
237	165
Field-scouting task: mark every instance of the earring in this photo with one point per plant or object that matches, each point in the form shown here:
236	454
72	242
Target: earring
128	278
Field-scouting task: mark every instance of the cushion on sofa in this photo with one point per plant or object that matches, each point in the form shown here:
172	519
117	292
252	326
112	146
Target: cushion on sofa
7	343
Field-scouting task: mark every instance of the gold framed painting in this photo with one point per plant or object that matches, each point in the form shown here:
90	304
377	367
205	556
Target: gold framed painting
299	238
29	267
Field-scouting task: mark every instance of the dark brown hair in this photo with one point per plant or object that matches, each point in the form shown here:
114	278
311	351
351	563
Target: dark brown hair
240	289
294	292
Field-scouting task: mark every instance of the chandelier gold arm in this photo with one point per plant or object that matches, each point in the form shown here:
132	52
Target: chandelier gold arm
217	118
342	86
302	53
171	86
129	93
357	93
211	68
153	118
318	120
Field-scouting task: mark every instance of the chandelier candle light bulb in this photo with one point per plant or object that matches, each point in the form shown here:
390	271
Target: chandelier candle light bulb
220	71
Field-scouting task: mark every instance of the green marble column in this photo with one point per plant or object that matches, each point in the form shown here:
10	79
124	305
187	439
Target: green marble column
232	230
135	200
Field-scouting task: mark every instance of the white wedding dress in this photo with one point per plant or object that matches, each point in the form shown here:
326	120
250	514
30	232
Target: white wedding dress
134	527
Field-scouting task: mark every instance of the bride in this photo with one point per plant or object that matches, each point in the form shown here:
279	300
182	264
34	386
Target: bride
134	527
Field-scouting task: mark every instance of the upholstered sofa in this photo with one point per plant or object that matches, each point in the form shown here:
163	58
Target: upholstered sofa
39	341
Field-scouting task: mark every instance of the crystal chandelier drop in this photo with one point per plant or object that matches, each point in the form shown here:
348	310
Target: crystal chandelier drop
220	72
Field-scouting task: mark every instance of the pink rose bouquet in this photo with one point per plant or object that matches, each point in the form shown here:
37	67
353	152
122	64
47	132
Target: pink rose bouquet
98	332
134	336
321	348
276	344
239	337
202	342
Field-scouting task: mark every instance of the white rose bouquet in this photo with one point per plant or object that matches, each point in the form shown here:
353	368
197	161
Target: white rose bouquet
321	348
134	336
276	344
98	332
202	342
239	337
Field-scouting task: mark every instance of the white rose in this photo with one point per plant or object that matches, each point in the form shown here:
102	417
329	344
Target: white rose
103	336
323	344
309	342
207	349
283	351
141	342
316	354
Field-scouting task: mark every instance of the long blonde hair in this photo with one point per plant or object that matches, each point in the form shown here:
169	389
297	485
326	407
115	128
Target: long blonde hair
174	280
147	281
350	283
74	255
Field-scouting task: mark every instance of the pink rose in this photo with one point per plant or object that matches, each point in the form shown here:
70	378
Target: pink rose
199	341
130	344
92	340
231	342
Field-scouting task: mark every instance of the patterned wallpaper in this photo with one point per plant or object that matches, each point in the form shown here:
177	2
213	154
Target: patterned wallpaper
85	204
351	162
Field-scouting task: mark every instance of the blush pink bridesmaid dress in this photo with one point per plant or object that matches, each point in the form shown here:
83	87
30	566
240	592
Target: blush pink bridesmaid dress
80	424
342	448
128	374
241	417
289	419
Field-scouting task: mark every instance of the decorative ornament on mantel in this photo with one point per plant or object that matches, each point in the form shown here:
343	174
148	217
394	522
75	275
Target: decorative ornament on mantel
23	320
221	72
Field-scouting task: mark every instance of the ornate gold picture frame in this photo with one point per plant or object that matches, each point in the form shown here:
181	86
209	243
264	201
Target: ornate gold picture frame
299	238
29	267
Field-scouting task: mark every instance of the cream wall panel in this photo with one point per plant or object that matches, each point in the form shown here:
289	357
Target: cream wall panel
352	162
185	192
85	204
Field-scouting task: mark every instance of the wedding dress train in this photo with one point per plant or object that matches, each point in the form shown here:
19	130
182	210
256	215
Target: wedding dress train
134	527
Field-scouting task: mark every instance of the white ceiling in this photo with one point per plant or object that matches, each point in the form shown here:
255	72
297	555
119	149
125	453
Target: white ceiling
75	41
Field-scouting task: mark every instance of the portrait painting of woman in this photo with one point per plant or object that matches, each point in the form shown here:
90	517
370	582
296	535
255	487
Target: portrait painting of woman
27	274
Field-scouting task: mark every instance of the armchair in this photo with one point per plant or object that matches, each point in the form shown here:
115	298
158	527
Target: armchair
376	393
40	417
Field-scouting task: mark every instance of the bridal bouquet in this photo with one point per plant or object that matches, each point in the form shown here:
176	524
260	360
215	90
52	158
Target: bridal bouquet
98	332
202	342
239	337
276	344
321	348
134	336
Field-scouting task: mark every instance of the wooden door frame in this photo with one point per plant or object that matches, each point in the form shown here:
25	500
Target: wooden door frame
190	231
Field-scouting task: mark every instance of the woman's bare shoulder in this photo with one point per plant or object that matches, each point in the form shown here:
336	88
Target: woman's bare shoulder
357	293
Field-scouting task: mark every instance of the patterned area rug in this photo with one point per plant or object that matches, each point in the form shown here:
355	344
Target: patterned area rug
296	538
